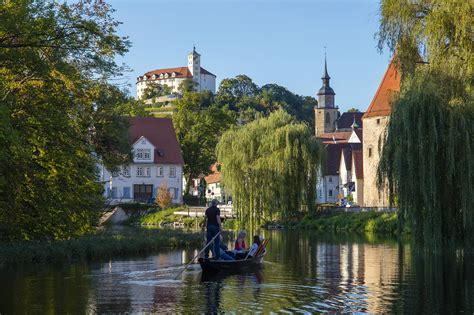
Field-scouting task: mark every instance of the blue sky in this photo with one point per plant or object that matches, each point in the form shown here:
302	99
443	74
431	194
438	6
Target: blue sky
274	41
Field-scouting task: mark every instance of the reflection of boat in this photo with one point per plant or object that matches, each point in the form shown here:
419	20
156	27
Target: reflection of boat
211	265
255	272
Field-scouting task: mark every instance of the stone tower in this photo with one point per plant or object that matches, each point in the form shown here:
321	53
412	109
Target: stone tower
375	121
325	113
194	65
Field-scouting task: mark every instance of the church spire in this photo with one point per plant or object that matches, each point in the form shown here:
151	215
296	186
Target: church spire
326	93
325	75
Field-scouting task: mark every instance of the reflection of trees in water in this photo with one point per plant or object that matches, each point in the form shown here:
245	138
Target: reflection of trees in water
45	289
435	283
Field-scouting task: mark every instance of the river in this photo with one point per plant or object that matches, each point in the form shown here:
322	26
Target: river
304	272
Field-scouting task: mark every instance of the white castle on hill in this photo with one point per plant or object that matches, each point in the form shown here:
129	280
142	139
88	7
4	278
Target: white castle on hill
173	77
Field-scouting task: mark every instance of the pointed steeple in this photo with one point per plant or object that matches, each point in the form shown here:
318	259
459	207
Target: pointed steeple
326	93
325	75
354	124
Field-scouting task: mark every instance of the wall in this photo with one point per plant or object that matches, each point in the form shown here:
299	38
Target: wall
208	83
120	181
372	132
319	120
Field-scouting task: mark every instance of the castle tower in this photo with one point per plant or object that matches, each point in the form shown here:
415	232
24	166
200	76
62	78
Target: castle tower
375	121
325	113
194	65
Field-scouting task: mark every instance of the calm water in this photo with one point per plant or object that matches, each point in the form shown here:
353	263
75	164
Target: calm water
303	273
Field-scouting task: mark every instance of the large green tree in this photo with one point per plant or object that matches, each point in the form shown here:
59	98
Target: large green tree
428	156
58	115
244	97
269	165
199	124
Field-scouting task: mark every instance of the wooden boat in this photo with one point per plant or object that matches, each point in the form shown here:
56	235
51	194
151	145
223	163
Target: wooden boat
211	265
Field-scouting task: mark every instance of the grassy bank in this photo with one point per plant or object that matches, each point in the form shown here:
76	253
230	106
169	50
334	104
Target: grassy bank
104	244
163	217
373	222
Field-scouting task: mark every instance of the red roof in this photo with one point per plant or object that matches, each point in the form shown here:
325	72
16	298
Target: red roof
180	72
357	157
160	132
345	135
215	176
347	154
333	159
381	103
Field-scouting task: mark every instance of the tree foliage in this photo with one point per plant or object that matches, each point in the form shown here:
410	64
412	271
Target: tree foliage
58	115
198	126
269	165
154	90
244	97
428	156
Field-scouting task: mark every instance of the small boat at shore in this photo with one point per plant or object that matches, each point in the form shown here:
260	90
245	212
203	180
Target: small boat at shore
211	265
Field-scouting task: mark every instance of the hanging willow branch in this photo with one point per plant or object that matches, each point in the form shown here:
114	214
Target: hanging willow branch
269	166
428	159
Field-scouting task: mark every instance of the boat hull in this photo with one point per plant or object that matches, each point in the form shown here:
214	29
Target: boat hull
210	265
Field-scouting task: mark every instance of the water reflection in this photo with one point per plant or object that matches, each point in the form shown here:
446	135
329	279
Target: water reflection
303	272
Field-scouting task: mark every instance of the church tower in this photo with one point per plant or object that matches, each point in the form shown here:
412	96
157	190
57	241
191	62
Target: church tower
194	65
325	113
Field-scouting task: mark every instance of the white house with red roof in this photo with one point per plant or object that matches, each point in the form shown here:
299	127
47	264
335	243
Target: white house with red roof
157	160
173	77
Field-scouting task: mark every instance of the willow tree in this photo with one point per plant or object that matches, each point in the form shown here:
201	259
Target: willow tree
428	156
269	166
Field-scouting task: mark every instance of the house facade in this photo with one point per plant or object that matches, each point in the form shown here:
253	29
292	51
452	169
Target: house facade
214	187
173	77
157	161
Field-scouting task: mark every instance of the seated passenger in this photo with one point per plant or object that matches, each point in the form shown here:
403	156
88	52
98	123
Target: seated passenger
255	245
224	254
240	242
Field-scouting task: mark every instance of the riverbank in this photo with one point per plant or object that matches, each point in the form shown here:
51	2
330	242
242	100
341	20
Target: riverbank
102	244
359	222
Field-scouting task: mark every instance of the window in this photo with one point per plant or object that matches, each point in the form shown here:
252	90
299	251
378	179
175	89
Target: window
328	118
173	192
172	171
159	171
115	173
330	179
126	193
370	151
147	172
126	171
114	193
330	193
378	121
140	171
143	154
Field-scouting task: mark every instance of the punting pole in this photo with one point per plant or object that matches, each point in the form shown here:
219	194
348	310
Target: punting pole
192	260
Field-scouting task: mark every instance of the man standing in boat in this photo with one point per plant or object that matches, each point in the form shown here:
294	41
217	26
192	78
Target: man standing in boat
212	221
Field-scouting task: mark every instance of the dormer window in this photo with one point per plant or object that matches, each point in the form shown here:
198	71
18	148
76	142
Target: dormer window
173	74
161	76
153	76
166	75
143	154
144	78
